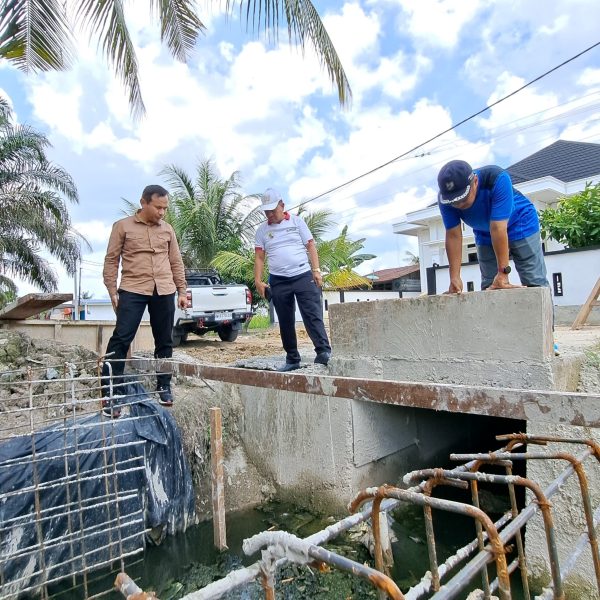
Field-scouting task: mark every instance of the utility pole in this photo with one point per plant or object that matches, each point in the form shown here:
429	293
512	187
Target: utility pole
76	282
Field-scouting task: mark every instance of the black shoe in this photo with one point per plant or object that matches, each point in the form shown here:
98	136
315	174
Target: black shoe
322	358
165	396
110	409
289	367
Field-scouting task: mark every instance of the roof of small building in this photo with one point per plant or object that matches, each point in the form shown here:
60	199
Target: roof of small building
564	160
384	275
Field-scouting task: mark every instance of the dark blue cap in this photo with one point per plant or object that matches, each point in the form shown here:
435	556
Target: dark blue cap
454	181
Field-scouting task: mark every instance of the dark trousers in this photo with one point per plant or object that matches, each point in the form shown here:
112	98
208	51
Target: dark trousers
302	289
129	316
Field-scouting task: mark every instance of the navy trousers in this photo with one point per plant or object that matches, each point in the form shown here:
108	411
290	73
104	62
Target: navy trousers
302	289
129	316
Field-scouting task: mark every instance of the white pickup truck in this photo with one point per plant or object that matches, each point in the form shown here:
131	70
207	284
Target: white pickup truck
212	306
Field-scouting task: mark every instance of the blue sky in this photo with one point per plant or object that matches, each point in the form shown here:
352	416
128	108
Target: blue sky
265	110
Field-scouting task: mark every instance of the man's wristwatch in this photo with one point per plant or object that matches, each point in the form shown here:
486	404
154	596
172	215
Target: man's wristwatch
506	270
316	270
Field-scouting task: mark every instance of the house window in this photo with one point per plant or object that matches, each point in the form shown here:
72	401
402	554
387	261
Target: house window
470	286
326	305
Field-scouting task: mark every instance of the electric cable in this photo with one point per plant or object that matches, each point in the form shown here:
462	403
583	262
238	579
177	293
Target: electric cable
453	127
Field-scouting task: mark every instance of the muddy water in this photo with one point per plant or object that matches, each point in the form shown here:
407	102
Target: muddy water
187	562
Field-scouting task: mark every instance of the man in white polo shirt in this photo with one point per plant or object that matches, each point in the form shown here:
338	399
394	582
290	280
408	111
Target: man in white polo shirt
294	274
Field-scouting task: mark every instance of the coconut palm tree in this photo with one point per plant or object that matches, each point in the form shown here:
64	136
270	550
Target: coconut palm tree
37	35
34	216
208	213
337	257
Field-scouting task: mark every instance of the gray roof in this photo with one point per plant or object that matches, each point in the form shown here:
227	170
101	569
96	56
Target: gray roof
566	161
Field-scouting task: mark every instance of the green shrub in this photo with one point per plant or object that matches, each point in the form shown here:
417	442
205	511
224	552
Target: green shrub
575	221
260	322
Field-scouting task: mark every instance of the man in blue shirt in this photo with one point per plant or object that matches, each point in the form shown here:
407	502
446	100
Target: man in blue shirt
503	220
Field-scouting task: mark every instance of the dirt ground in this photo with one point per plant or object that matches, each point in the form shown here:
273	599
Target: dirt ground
264	342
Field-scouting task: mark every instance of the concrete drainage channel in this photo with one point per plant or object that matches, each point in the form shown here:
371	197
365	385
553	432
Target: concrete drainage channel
318	438
89	546
498	543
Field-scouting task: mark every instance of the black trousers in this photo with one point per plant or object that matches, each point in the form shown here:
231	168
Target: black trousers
129	316
302	289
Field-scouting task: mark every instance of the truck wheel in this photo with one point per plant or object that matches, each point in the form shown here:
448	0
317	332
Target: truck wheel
227	333
179	337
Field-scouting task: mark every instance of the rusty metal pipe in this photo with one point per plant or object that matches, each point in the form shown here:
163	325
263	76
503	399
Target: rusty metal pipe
462	578
280	544
507	464
464	509
543	439
583	484
544	505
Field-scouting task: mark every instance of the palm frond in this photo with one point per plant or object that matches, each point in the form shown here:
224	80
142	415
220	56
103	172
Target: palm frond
130	207
35	35
303	22
319	221
34	215
178	181
25	262
345	279
179	26
106	20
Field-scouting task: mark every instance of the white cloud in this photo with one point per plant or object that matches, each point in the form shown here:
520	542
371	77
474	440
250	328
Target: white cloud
95	232
589	77
437	22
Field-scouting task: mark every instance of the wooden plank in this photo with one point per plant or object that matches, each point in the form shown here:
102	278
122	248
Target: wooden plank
585	310
569	408
218	485
32	304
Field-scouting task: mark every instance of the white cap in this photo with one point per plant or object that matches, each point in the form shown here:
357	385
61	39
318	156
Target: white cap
270	199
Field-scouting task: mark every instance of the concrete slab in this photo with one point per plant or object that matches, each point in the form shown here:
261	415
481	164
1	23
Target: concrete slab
500	338
32	304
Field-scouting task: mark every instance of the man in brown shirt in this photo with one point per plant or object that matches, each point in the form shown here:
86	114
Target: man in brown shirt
151	272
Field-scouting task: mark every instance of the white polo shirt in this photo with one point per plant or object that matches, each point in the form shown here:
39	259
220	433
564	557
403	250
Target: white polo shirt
285	245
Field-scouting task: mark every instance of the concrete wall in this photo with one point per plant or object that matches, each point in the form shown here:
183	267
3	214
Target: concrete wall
579	269
466	339
322	451
93	335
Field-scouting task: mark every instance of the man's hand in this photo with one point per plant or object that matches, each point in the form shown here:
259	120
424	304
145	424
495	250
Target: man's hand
115	301
456	286
501	283
260	288
182	300
318	278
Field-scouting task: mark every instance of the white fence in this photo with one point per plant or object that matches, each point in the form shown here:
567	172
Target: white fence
354	296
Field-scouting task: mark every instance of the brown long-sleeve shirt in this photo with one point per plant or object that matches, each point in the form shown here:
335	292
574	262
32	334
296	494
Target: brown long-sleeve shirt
149	256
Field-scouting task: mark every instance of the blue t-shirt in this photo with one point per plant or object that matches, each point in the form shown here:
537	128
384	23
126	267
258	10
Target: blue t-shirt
501	202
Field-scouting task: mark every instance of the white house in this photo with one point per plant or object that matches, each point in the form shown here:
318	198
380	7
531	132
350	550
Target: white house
90	310
561	169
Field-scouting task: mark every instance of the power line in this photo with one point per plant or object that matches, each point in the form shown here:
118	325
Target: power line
453	127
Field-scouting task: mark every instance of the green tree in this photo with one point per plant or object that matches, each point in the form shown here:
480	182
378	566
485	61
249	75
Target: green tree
37	35
34	216
575	221
411	258
207	213
338	258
